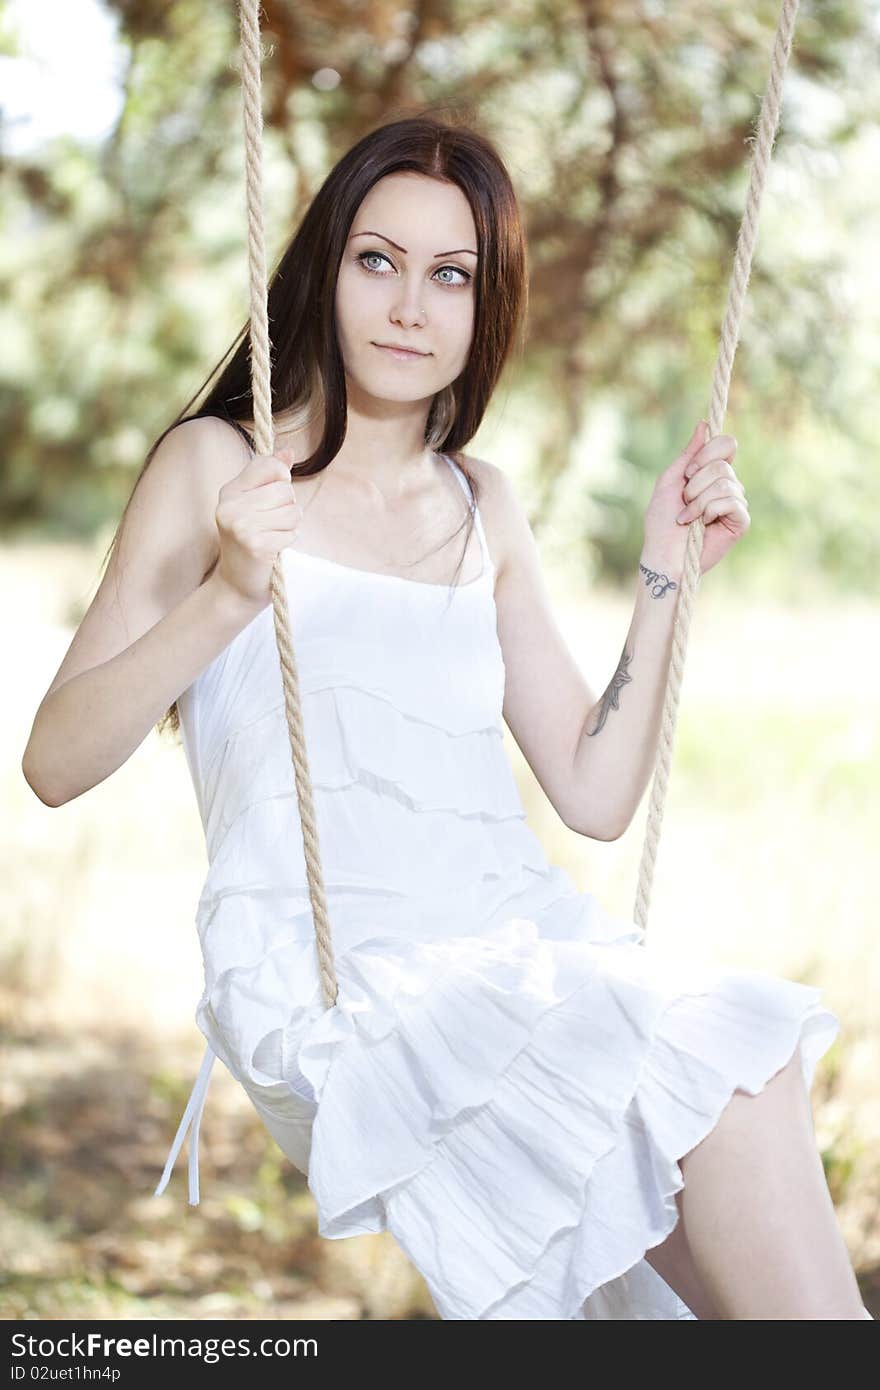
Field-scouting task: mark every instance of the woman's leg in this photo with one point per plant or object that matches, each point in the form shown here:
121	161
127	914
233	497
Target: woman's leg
674	1262
760	1224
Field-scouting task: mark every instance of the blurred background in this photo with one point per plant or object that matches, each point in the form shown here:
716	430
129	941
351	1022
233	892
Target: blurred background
627	129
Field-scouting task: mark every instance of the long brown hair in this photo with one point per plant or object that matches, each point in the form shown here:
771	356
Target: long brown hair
307	375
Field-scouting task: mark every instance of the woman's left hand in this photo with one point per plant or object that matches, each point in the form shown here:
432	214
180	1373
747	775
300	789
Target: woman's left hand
700	482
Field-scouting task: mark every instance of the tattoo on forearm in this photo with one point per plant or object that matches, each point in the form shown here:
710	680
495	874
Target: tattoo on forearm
662	584
610	699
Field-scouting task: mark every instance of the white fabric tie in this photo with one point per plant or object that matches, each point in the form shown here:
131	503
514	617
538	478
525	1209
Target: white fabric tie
192	1115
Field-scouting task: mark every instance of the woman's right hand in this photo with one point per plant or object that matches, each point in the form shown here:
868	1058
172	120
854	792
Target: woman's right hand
256	517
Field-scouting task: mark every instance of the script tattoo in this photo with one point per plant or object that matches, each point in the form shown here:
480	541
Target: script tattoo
662	584
610	699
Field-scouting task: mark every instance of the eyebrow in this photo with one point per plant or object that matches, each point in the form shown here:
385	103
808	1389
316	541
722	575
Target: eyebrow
437	254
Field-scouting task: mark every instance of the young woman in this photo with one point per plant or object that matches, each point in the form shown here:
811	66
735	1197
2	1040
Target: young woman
553	1118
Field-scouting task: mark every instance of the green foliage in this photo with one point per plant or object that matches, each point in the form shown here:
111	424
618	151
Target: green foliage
124	277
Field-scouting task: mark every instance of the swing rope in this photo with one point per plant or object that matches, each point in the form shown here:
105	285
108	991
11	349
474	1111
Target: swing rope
730	331
264	440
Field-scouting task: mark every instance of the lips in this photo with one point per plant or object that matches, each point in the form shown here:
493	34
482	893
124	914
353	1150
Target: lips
401	351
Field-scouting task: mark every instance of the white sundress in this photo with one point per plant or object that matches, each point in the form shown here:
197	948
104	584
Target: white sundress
509	1074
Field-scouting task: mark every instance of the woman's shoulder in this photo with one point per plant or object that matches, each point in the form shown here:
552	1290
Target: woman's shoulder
208	453
216	450
494	484
212	438
499	505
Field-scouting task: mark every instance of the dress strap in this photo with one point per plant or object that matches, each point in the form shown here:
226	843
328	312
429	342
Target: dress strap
192	1115
478	520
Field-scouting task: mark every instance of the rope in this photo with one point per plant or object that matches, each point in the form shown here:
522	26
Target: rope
748	234
264	439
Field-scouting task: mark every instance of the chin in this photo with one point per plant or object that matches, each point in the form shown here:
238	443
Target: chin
385	388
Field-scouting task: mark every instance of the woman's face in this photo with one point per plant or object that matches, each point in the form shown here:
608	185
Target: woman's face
417	293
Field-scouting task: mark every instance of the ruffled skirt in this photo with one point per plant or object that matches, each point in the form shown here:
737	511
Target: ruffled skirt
511	1106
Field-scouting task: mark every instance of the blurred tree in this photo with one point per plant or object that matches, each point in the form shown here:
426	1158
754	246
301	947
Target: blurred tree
627	128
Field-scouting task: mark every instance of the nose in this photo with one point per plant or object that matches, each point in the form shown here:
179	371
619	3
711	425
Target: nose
408	307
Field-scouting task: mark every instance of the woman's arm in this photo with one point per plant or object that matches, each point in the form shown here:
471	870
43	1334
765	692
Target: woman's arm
89	725
616	749
617	745
546	695
152	626
593	757
590	755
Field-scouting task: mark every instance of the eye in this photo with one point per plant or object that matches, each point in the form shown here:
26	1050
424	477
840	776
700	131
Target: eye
364	256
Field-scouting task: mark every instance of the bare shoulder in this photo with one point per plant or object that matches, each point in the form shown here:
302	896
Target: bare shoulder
217	451
193	462
166	544
500	508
